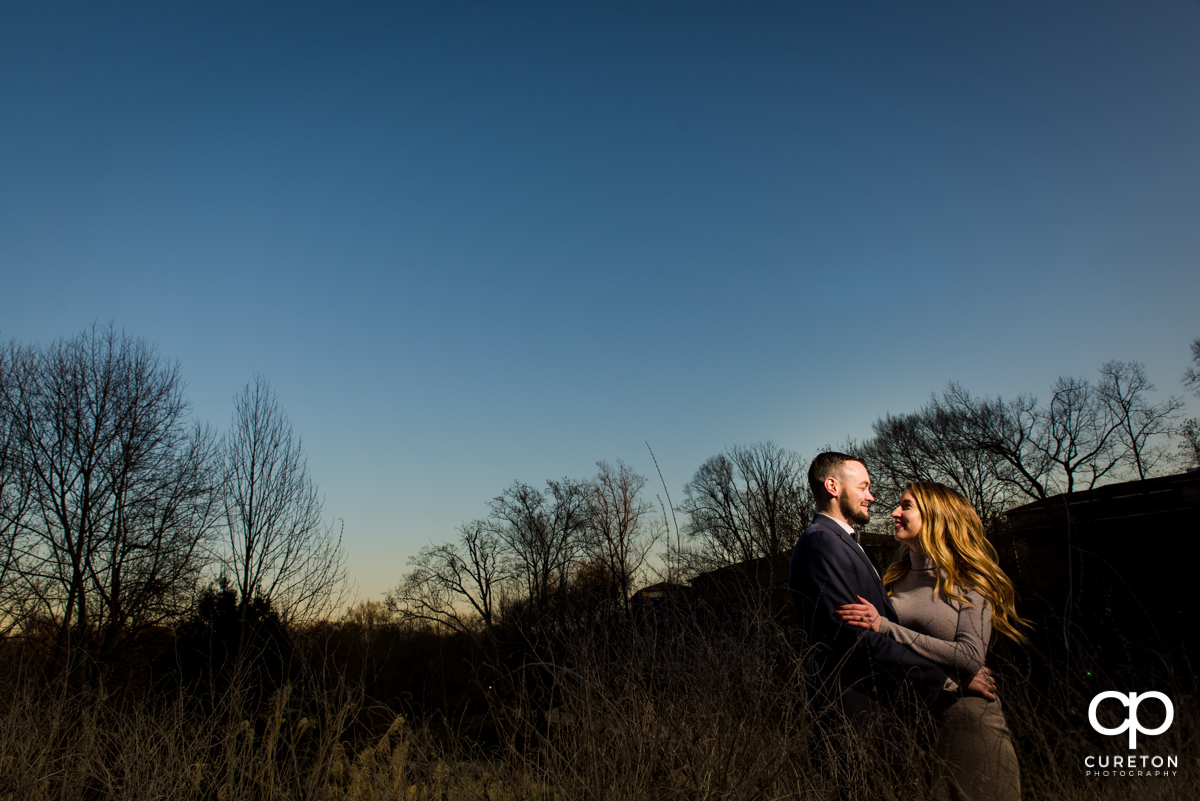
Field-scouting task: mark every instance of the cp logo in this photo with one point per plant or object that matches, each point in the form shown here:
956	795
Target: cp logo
1132	723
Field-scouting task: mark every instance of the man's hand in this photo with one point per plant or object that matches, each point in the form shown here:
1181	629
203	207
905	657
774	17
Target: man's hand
983	685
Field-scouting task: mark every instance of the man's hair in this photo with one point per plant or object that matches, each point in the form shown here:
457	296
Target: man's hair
826	465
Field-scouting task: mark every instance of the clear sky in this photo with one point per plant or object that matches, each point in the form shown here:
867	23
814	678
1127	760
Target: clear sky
476	242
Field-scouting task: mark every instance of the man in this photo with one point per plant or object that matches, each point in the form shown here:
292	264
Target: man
829	568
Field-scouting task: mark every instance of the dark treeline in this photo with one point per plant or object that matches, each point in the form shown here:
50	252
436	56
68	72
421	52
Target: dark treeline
1001	453
580	633
117	508
752	502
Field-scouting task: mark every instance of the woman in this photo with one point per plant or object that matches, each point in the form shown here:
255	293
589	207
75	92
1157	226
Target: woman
950	595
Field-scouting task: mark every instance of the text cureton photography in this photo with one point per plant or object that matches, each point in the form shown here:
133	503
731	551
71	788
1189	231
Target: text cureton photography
1131	764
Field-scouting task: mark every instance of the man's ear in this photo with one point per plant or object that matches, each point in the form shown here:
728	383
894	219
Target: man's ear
831	486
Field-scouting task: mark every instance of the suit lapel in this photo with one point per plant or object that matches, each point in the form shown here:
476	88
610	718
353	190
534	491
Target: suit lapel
860	553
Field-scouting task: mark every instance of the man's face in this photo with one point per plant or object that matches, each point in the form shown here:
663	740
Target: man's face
854	498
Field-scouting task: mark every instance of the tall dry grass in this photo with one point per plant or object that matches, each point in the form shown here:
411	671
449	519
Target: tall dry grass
693	706
697	707
86	745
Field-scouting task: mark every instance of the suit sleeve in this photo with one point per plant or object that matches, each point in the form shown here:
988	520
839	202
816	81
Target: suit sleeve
824	579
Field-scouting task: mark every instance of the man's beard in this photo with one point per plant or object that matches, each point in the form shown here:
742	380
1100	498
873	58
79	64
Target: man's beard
853	514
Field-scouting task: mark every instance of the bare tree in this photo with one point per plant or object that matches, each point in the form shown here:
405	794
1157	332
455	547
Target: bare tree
932	445
520	559
1143	429
16	605
541	532
617	534
1010	431
996	452
1190	441
278	546
779	505
712	503
1191	376
459	584
1088	433
749	503
1190	430
119	492
1079	434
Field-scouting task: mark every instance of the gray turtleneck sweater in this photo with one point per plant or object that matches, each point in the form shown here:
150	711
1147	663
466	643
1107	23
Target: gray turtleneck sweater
951	634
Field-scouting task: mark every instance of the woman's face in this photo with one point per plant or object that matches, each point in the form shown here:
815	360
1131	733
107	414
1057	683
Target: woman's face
908	521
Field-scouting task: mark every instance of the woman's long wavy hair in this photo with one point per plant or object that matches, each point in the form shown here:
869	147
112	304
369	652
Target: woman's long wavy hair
952	537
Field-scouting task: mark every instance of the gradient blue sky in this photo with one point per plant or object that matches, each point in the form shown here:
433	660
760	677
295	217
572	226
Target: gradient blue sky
476	242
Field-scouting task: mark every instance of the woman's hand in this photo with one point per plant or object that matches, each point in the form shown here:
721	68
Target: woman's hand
862	614
983	684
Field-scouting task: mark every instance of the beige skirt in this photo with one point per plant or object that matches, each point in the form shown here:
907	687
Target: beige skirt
976	760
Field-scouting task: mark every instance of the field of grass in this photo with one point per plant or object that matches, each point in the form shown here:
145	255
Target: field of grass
692	712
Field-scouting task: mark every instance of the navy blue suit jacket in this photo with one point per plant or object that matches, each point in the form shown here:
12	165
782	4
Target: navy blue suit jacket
828	570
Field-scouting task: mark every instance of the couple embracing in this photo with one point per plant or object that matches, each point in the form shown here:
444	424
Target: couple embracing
923	627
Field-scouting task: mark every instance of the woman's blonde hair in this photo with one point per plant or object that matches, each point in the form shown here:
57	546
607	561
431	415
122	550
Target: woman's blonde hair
952	537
